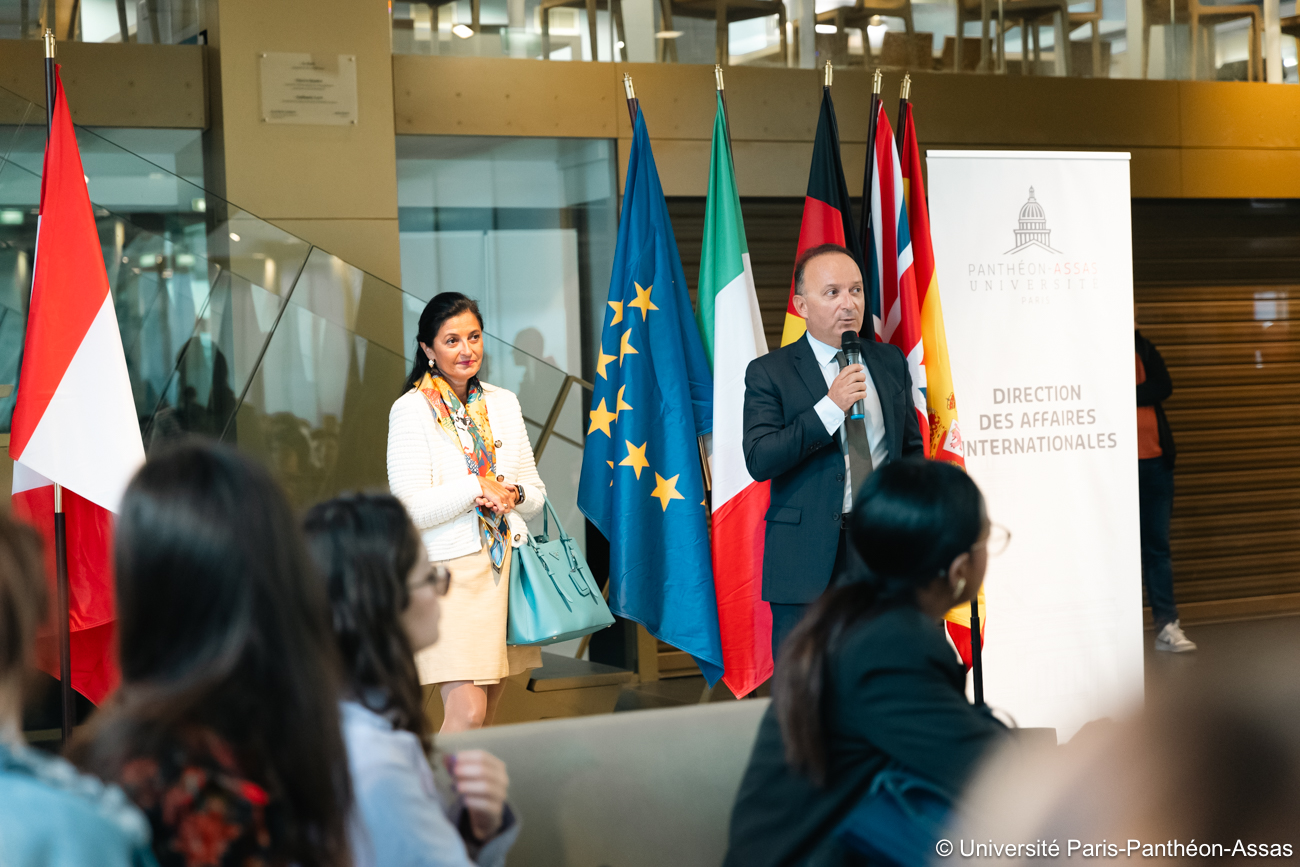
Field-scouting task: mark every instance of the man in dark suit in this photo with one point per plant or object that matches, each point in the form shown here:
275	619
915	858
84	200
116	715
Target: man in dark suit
798	434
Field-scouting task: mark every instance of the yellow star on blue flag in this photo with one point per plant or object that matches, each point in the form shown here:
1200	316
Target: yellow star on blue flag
647	413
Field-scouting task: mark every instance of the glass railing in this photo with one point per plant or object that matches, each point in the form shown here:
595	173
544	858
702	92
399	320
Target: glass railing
236	329
166	22
1105	38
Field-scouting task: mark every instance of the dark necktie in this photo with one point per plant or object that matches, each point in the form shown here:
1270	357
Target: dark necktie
854	444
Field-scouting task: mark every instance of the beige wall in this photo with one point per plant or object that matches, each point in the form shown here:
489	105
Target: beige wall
334	186
130	85
1188	139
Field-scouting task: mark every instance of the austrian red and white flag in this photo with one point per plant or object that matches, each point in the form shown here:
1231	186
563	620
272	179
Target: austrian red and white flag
75	422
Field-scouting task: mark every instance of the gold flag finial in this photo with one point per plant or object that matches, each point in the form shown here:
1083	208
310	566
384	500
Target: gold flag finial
717	74
49	43
906	90
826	82
877	81
627	86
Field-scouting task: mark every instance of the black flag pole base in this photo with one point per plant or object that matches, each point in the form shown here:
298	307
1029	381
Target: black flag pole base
976	651
65	631
60	520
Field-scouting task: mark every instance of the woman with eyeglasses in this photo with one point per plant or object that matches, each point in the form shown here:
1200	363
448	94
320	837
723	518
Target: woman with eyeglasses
385	601
867	680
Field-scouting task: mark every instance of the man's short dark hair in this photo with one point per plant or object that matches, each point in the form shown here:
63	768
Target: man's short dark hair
814	253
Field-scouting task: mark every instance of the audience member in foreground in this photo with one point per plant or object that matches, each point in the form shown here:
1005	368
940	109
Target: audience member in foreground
225	730
1208	773
385	600
50	815
867	677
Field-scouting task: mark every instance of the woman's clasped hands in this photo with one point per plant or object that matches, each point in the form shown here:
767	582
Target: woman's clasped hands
500	497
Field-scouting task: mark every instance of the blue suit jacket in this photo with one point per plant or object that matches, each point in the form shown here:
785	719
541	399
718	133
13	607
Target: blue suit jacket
786	441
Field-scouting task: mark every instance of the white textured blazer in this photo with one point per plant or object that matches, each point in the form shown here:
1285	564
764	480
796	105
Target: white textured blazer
428	473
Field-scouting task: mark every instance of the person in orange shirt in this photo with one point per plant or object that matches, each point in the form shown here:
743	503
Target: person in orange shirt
1156	494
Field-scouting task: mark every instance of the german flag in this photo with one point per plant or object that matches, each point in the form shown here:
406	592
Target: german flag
827	217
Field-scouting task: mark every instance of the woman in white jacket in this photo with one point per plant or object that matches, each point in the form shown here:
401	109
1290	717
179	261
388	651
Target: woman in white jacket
460	461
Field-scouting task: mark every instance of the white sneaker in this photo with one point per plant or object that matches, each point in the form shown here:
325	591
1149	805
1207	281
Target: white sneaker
1172	639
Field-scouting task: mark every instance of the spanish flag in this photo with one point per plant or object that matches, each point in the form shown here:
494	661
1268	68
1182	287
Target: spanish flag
941	402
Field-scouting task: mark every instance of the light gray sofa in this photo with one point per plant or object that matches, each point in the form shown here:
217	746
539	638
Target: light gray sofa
651	788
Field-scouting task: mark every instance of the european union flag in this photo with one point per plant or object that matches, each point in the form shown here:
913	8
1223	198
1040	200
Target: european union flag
641	479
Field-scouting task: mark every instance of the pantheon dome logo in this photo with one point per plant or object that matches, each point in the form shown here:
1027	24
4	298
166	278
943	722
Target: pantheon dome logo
1032	230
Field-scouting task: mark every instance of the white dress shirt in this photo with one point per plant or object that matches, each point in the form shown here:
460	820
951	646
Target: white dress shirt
833	417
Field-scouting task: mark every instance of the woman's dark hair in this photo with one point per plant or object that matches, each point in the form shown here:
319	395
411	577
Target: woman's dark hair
366	546
910	520
23	597
440	308
223	626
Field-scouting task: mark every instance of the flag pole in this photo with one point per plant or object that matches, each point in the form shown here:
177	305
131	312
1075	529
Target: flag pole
60	519
904	95
633	104
704	452
726	114
876	81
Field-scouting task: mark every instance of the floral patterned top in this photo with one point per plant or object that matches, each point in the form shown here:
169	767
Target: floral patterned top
203	811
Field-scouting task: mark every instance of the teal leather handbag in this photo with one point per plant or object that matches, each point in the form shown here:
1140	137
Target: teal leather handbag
553	596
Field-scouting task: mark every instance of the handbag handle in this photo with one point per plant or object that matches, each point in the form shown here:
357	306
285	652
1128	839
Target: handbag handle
898	782
548	513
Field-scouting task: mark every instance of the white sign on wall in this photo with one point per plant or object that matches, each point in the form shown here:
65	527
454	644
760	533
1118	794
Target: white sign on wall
309	88
1035	266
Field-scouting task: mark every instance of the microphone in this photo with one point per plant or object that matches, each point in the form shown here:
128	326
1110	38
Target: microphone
852	348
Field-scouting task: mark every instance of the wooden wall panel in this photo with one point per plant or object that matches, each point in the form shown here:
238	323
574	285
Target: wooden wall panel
1216	291
1241	172
492	96
1226	115
1233	415
134	85
772	230
1188	139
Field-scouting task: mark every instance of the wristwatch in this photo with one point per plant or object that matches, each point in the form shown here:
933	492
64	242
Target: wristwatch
519	494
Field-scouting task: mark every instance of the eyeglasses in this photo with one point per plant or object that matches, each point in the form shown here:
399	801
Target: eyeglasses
439	578
996	542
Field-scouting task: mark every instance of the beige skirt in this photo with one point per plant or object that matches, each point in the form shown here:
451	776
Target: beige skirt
472	629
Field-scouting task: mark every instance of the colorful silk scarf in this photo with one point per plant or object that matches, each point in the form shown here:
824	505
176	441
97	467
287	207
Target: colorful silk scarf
471	418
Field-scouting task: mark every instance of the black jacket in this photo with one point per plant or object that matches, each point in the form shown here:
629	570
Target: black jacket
895	690
1157	388
786	441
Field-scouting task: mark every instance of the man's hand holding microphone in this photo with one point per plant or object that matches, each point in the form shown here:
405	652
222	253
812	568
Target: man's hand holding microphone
849	388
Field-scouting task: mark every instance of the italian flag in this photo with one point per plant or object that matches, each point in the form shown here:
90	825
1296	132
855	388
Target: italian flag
732	330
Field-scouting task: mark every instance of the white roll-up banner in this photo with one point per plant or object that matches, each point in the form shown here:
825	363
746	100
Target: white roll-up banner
1035	264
